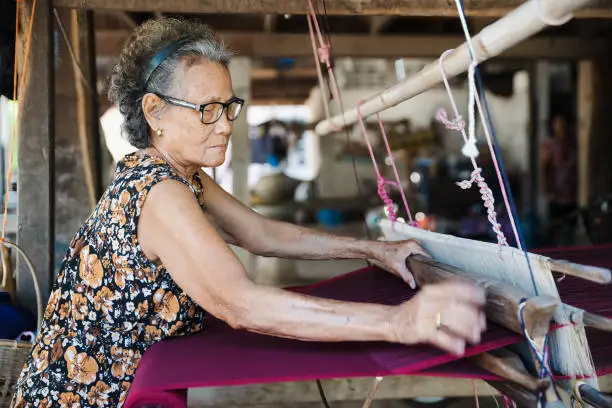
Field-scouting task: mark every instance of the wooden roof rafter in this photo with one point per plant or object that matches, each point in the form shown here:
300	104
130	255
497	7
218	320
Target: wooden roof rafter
482	8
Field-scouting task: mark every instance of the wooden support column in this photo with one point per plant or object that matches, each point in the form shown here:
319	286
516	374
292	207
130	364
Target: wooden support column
585	127
85	77
240	70
540	112
594	125
35	207
76	130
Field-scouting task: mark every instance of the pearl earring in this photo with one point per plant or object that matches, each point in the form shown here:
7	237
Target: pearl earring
159	132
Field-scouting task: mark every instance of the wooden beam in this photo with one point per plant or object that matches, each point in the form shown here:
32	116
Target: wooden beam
124	17
293	73
378	23
276	101
110	42
269	23
36	156
482	8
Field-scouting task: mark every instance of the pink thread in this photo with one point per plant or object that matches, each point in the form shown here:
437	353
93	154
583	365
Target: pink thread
384	196
382	191
475	393
318	66
322	53
382	183
398	183
457	124
489	202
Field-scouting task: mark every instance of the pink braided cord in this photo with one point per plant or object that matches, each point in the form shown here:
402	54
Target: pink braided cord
457	124
384	196
324	54
489	202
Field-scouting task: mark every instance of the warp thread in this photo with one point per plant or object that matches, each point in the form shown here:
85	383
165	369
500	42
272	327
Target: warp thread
489	202
542	356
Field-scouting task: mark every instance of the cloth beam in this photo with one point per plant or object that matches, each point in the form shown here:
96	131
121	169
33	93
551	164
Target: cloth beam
221	356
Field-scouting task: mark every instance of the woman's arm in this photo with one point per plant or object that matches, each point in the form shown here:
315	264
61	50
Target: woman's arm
208	271
266	237
263	236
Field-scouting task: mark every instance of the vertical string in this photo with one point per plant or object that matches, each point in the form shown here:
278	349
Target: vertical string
318	66
322	54
395	172
381	182
473	56
458	124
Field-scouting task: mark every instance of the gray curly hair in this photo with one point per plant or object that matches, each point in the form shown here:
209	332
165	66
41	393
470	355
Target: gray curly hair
127	83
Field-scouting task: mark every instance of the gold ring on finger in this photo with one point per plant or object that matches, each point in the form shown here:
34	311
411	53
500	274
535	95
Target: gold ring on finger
438	320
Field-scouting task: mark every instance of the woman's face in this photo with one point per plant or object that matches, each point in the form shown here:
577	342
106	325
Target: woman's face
185	137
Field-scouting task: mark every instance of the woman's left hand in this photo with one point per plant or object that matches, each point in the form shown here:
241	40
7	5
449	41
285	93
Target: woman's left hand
392	256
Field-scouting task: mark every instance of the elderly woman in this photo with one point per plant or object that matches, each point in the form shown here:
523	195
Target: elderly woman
154	255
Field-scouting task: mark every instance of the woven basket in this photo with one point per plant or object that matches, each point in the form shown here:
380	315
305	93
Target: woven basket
14	353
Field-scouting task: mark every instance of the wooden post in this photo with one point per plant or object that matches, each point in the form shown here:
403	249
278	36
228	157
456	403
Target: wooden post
594	123
74	172
83	41
36	154
585	124
540	112
240	70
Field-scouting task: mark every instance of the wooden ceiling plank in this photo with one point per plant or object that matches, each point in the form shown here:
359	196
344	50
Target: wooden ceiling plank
483	8
110	42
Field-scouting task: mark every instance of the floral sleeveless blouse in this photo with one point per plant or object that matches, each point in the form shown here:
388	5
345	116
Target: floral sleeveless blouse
109	304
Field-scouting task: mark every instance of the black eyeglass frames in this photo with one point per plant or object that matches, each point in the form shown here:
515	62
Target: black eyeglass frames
210	112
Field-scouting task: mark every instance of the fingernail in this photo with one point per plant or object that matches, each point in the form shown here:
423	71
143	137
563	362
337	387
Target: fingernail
460	350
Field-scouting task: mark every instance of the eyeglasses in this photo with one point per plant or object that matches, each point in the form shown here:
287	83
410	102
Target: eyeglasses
210	112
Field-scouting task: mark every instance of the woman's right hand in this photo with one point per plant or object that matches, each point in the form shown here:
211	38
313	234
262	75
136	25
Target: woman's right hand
446	315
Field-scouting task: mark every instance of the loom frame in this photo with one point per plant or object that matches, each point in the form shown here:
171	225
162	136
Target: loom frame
491	41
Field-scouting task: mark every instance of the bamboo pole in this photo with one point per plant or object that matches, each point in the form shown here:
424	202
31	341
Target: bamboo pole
515	27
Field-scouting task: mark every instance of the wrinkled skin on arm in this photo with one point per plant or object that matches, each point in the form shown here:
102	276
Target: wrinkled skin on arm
201	263
242	226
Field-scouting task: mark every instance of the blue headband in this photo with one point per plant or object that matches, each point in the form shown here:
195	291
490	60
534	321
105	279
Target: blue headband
161	56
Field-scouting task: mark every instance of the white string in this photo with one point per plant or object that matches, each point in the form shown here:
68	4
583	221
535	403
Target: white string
470	143
469	150
466	31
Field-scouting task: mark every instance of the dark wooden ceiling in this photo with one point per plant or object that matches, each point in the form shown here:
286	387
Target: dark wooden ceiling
364	34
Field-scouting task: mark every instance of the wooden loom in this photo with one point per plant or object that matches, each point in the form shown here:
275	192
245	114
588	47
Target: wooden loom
503	299
509	275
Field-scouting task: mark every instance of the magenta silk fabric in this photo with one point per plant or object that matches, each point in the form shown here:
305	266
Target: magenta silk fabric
221	356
